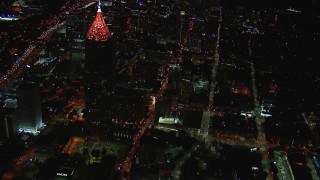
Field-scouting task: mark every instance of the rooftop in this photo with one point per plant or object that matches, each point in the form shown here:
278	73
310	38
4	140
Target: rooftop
28	86
99	31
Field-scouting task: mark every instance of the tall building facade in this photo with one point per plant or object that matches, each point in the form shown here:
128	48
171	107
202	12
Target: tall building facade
78	50
76	27
99	68
8	123
29	107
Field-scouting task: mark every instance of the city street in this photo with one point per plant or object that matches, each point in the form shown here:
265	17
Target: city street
258	118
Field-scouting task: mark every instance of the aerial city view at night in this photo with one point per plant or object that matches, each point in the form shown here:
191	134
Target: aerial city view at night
159	89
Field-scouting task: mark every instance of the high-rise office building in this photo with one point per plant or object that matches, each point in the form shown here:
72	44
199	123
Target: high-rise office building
78	50
99	68
99	48
8	123
29	107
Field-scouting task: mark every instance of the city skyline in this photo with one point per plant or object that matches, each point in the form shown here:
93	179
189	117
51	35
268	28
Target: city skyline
159	89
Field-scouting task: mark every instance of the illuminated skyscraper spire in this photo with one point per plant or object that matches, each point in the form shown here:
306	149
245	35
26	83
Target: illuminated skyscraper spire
99	31
99	6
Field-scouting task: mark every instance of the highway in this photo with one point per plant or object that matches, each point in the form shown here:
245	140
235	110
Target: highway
26	58
19	163
52	25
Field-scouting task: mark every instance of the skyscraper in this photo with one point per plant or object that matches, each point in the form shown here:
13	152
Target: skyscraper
99	48
8	125
99	68
29	107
